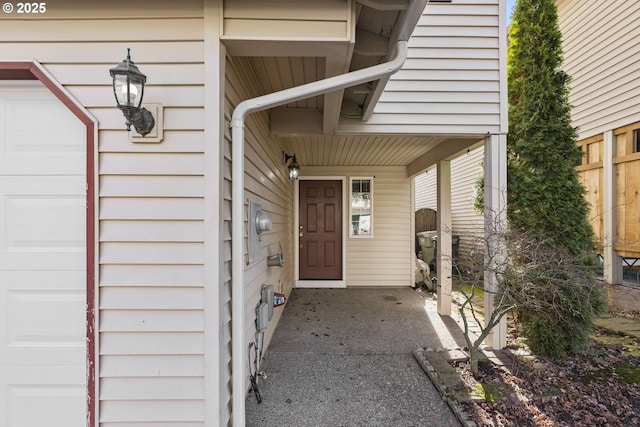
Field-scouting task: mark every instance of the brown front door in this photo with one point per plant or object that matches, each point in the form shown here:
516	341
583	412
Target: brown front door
320	230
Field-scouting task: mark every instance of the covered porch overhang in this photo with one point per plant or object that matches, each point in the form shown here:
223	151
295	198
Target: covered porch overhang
414	153
290	43
321	115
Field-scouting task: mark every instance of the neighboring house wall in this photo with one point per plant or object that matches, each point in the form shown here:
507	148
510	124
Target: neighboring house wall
465	221
425	190
386	258
451	81
601	44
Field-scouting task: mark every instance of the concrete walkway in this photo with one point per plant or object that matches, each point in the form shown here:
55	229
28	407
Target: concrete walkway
344	357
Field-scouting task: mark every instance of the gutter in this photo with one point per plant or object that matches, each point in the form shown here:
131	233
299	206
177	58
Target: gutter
260	103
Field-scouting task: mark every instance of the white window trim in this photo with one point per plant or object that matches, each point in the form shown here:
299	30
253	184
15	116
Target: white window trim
351	179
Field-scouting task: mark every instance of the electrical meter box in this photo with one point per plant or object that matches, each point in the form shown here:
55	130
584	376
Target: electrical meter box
259	222
262	316
264	309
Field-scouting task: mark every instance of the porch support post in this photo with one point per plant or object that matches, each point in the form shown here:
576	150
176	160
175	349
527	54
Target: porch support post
495	224
444	255
612	262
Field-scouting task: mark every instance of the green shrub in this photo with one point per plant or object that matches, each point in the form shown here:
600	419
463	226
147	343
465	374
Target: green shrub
545	196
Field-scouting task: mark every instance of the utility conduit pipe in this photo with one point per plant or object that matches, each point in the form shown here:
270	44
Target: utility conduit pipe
240	113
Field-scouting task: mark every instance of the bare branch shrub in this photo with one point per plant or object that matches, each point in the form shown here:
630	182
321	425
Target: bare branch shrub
535	280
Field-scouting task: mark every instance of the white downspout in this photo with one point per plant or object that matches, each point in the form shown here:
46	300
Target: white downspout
246	107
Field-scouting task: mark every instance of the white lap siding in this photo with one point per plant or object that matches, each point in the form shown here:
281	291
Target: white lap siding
451	82
267	183
600	42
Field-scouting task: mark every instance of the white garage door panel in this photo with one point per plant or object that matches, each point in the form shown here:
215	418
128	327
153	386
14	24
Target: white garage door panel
44	222
48	400
42	261
40	135
30	165
43	317
38	125
43	219
29	403
21	280
40	318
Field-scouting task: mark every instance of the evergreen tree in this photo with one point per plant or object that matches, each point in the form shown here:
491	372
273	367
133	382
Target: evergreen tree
545	196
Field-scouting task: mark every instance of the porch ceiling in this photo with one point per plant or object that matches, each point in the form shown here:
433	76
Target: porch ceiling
416	153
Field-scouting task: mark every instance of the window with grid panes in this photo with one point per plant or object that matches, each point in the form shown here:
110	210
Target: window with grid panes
361	207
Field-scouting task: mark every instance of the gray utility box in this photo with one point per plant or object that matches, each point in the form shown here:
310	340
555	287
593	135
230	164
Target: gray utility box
264	309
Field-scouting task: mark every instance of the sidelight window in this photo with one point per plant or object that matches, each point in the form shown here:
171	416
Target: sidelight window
361	207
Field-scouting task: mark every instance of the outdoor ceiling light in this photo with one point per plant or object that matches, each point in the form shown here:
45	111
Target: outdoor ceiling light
294	167
128	87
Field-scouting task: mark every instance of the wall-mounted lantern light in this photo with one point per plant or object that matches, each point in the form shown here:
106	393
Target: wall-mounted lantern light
294	167
128	87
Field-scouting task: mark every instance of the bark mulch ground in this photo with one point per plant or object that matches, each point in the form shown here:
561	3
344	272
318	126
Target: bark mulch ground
599	387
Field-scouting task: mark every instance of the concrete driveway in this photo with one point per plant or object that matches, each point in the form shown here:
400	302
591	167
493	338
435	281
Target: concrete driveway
344	357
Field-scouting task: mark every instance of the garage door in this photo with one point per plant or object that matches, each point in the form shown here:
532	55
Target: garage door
42	260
